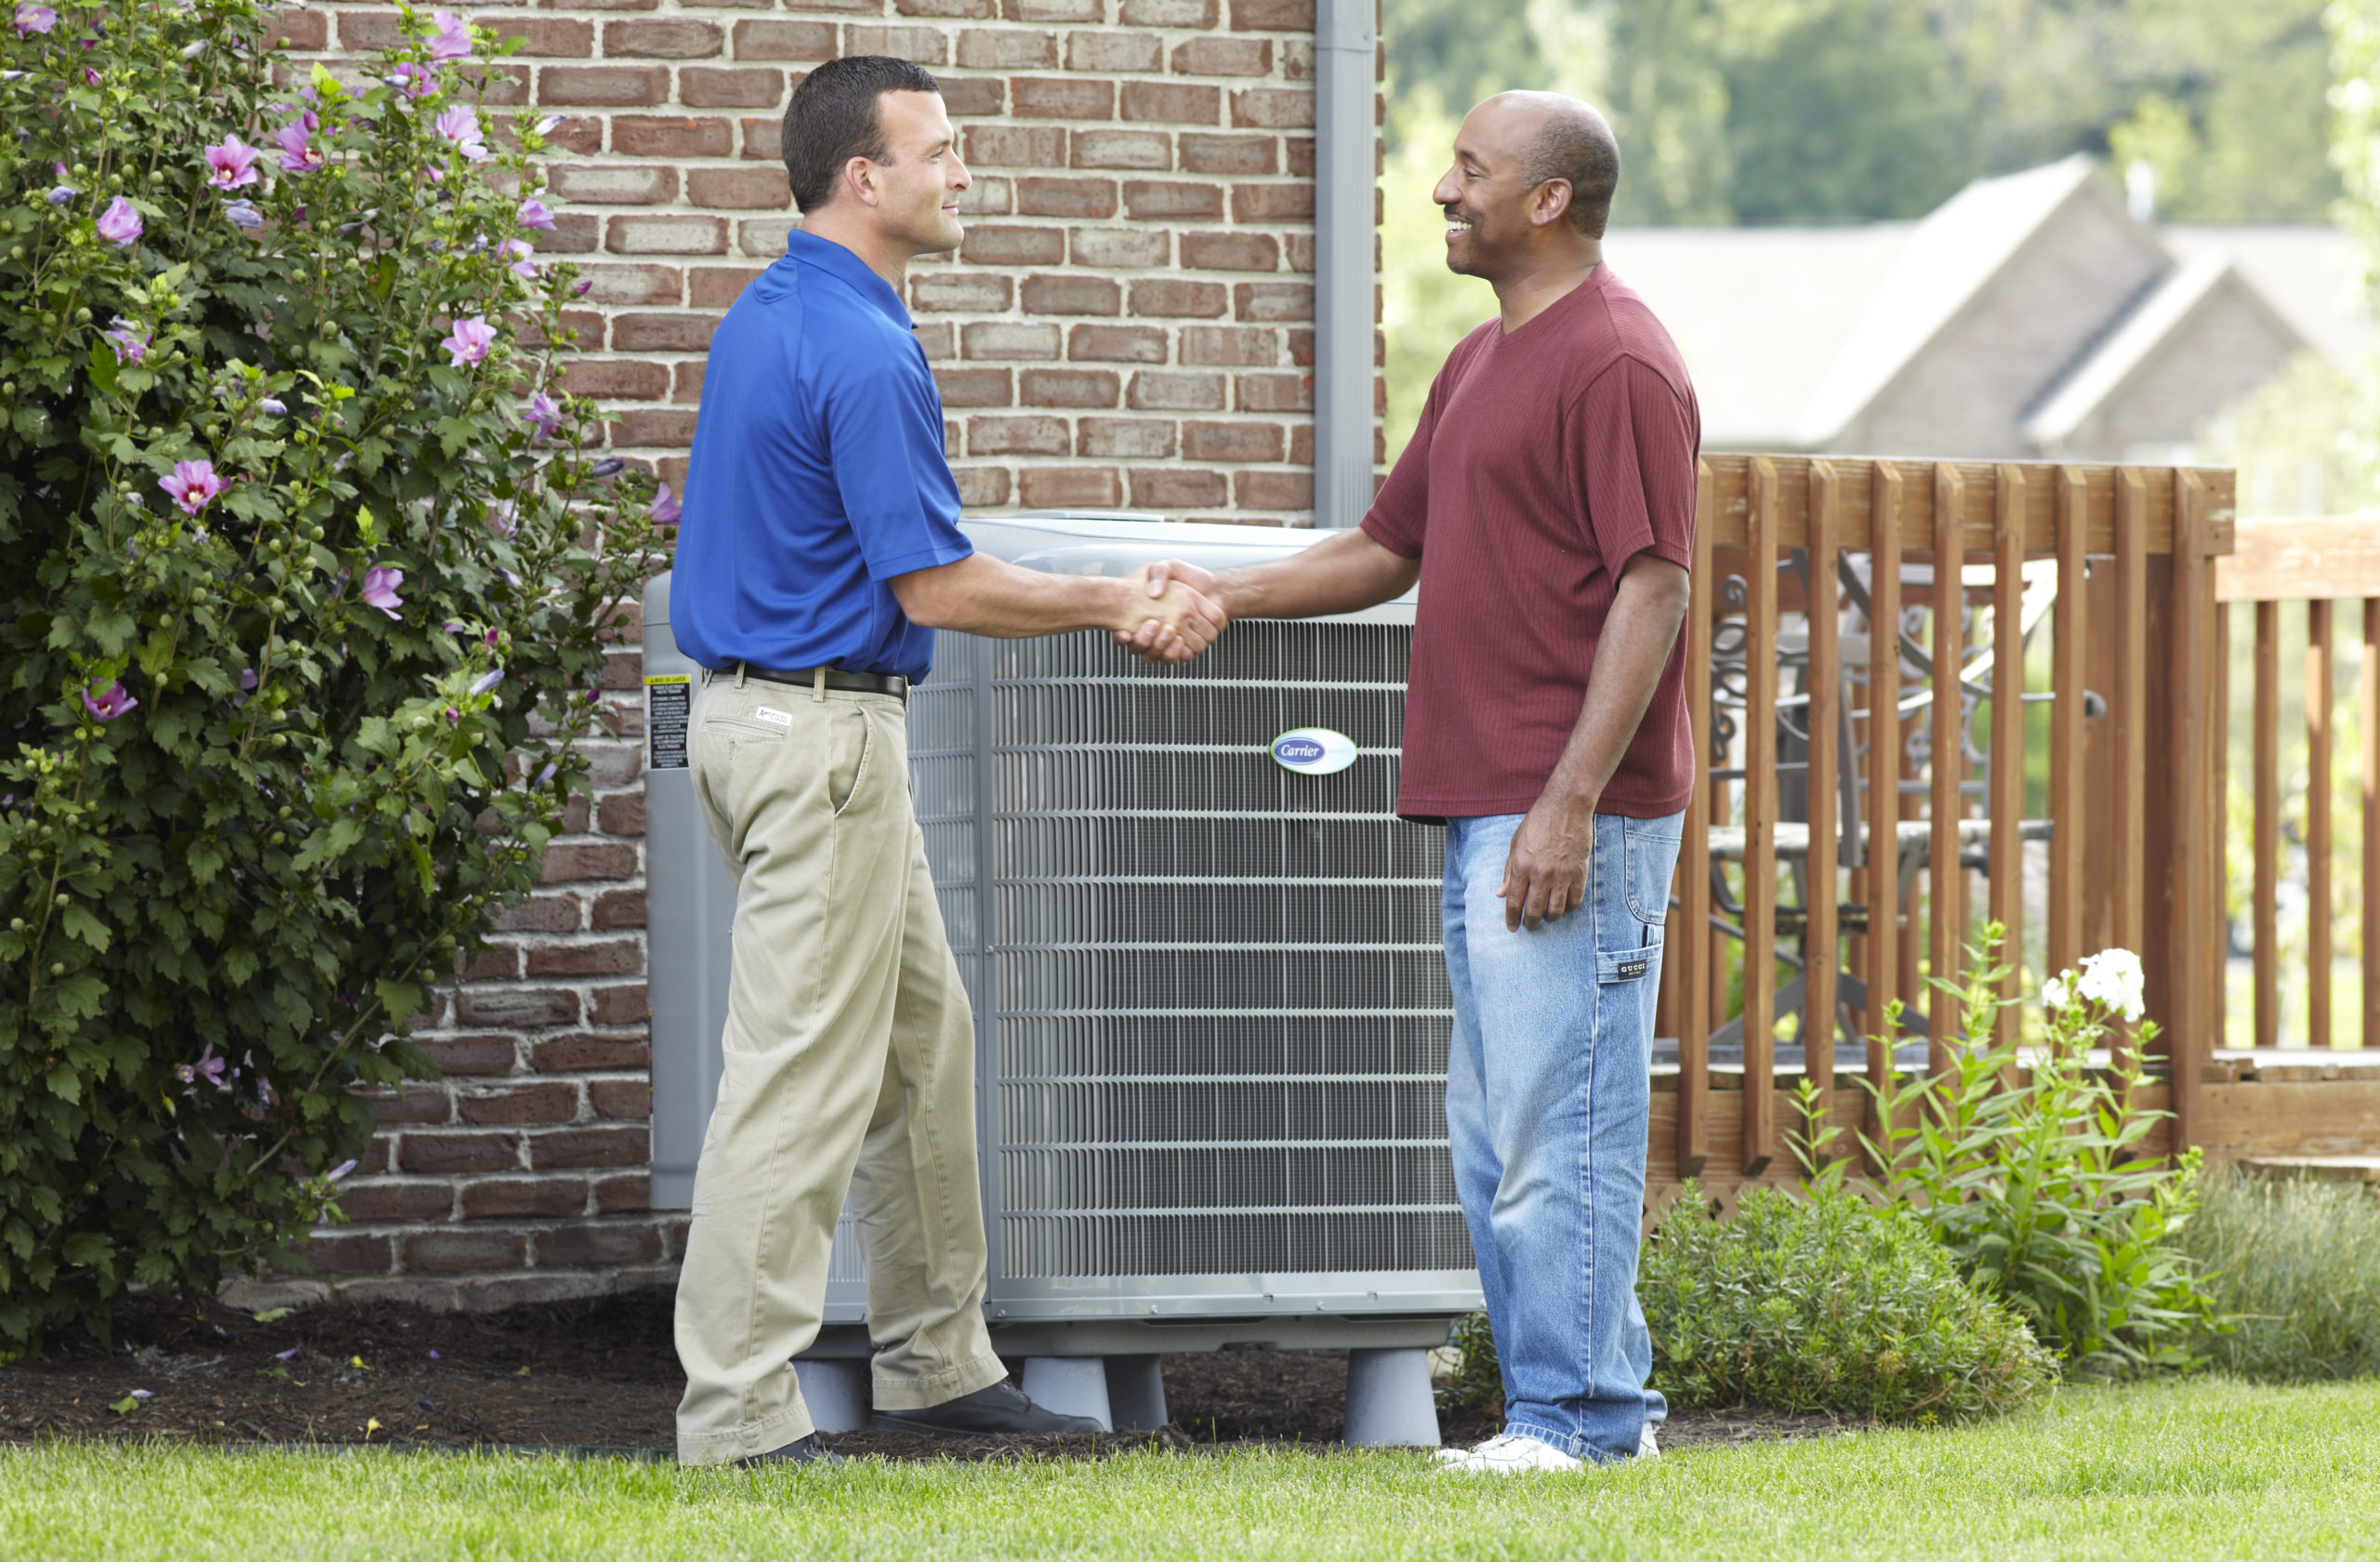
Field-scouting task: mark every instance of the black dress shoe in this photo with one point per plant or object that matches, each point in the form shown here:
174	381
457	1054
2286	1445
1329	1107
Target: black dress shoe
987	1412
801	1451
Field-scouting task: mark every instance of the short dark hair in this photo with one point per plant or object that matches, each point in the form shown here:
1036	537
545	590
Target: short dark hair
833	118
1576	144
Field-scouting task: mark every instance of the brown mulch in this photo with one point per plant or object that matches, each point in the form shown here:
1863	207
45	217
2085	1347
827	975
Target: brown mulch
597	1374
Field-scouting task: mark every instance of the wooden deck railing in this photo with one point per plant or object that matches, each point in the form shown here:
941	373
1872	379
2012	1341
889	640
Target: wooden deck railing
2315	562
1873	771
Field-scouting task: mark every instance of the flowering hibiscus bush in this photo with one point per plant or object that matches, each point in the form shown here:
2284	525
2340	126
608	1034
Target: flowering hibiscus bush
307	571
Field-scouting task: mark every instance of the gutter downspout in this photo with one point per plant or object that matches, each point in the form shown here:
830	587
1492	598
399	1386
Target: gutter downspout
1345	48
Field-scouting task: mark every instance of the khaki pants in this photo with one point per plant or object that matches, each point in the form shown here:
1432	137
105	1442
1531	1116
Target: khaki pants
850	1067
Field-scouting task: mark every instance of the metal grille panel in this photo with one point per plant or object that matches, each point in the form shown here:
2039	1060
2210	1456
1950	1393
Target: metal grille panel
1217	1005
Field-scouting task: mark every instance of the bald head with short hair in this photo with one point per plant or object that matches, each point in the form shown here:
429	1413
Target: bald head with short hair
1573	143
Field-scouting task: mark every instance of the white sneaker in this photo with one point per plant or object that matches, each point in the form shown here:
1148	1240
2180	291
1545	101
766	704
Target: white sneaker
1511	1455
1647	1446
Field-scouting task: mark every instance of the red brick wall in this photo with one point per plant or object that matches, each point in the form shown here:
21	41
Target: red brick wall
1128	325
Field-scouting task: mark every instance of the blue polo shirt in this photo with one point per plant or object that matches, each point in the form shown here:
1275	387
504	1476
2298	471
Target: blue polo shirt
818	476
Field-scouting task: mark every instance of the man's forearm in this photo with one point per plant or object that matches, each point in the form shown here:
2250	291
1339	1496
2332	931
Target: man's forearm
1635	648
1341	573
986	596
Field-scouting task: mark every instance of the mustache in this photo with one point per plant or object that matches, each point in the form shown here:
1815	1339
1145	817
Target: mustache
1456	214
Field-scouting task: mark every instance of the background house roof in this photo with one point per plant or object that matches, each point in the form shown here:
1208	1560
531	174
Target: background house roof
2105	369
1760	313
1947	261
2309	275
1792	332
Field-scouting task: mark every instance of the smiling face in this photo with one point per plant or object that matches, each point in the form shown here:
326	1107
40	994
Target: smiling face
919	183
1494	210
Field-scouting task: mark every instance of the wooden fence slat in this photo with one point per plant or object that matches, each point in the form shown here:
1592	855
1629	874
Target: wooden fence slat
1696	942
1946	889
2132	722
1819	944
2192	955
1759	821
2367	707
2265	720
2218	802
2318	822
1882	945
2007	774
2067	618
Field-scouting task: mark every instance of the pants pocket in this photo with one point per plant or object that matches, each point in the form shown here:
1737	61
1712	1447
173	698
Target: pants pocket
1650	847
851	745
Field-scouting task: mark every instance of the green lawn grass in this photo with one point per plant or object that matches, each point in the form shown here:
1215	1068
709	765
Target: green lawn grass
2164	1471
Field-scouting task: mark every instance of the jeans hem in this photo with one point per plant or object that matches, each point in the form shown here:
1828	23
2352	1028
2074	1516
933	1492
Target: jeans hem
1575	1443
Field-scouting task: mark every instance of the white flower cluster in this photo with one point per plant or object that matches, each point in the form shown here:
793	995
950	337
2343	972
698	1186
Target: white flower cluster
2111	978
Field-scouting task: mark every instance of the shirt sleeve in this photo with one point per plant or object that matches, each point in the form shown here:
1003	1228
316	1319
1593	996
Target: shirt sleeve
1400	513
884	438
1634	441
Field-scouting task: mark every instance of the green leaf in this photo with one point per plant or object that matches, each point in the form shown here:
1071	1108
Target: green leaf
81	926
103	366
398	999
88	1249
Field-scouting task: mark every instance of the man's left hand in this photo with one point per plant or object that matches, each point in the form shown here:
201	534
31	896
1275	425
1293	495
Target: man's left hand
1545	874
1155	640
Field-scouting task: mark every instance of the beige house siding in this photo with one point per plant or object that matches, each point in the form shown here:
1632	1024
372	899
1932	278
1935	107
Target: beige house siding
2229	347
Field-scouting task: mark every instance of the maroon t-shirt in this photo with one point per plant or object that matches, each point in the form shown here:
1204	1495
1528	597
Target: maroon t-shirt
1544	460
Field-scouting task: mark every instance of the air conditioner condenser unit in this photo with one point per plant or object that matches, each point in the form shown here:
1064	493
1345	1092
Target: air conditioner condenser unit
1211	1003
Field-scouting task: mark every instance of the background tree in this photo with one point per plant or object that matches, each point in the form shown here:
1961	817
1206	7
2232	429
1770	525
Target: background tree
1824	111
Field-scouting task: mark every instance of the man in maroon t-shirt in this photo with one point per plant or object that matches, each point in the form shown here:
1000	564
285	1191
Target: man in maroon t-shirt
1546	504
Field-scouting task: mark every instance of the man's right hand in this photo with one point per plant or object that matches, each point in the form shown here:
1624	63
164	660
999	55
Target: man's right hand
1175	618
1150	639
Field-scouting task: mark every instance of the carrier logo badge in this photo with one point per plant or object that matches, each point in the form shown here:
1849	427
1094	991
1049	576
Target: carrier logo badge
1314	751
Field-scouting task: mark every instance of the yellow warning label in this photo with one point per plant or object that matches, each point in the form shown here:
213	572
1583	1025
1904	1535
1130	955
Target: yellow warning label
667	678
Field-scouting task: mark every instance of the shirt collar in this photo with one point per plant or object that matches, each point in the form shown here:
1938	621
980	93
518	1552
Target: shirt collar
828	255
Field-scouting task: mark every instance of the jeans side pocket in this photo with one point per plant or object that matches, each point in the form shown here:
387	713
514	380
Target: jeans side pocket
1650	847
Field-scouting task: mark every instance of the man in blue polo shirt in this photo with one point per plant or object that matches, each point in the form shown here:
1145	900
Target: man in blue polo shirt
818	553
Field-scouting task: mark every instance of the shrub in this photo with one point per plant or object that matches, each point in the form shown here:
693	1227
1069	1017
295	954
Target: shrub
2297	1264
302	614
2030	1170
1476	1383
1834	1305
1829	1306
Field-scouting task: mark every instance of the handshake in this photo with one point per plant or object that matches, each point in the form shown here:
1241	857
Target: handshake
1175	611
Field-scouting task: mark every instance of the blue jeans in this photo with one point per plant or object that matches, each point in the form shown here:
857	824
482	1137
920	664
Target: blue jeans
1549	1089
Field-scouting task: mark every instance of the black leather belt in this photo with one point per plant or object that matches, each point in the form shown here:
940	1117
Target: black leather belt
836	677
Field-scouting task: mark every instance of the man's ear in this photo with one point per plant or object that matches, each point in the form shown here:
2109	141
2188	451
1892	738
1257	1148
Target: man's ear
859	174
1552	199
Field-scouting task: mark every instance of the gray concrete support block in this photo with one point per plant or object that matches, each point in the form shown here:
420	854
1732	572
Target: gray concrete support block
1389	1403
1136	1393
1070	1386
837	1393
